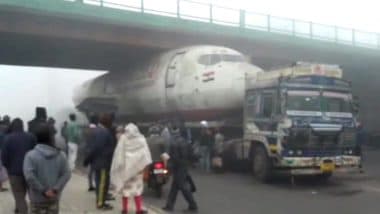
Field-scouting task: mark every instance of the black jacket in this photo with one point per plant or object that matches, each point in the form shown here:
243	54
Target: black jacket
113	144
207	139
4	130
15	147
99	148
41	117
180	155
34	124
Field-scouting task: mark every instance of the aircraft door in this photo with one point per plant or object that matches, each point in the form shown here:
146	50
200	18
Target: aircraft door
172	74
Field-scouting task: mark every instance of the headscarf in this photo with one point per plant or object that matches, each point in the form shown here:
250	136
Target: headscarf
120	131
131	156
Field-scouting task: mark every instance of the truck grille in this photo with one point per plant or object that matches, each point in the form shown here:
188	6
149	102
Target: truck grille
309	152
305	138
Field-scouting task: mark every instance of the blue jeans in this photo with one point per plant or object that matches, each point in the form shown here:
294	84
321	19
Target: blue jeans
205	159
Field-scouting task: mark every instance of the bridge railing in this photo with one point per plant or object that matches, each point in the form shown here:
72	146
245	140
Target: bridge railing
204	12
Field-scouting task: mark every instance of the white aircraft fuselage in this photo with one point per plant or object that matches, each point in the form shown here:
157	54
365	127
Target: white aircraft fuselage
192	83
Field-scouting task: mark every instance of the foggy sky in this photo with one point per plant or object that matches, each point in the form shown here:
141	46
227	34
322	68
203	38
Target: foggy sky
24	88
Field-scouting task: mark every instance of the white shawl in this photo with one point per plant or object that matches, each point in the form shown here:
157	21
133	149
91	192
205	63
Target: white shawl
131	156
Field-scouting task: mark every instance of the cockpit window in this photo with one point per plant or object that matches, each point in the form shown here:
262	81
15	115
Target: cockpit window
213	59
204	59
232	58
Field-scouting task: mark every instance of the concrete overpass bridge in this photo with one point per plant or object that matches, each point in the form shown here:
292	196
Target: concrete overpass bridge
96	34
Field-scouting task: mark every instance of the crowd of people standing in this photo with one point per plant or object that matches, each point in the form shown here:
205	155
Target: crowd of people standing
115	156
33	164
121	155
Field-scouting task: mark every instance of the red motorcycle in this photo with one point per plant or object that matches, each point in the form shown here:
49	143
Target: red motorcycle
157	176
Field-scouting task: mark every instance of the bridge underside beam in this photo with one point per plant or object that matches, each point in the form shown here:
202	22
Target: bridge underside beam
41	39
29	50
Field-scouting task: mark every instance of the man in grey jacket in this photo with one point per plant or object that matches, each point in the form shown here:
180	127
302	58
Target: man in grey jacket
46	172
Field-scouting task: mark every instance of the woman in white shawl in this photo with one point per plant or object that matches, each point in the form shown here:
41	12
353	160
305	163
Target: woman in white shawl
131	157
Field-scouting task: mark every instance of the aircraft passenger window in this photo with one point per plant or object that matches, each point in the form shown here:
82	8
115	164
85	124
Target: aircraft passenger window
267	108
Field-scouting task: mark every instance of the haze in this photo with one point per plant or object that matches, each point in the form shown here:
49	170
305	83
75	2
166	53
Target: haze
23	88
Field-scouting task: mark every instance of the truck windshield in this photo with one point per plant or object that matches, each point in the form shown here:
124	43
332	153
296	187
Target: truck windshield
303	101
313	101
336	102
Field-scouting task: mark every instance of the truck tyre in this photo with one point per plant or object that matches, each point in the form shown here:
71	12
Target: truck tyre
261	164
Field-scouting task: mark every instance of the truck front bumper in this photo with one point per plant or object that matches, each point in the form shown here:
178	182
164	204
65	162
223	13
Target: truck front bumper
315	165
317	171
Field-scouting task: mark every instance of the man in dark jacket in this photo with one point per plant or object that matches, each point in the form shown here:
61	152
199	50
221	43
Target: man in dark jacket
206	145
40	118
4	130
51	122
64	136
99	155
180	158
5	124
113	130
88	137
46	172
16	145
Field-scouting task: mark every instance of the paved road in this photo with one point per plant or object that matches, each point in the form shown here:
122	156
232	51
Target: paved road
239	193
75	200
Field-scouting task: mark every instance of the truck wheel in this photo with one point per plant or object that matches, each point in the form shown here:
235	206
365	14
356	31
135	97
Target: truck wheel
261	165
